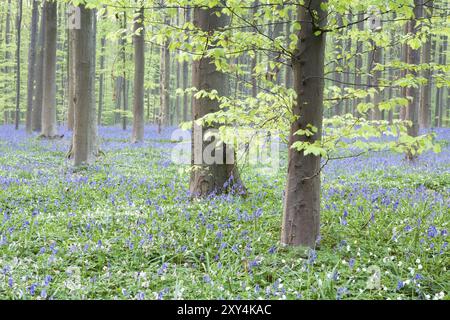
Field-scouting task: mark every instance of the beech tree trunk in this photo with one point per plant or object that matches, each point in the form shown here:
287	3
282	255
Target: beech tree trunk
101	94
18	41
187	18
39	79
217	176
31	66
139	65
413	58
71	81
165	81
301	218
7	58
84	141
49	129
358	62
425	97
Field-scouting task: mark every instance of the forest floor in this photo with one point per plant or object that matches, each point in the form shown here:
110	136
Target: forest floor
125	228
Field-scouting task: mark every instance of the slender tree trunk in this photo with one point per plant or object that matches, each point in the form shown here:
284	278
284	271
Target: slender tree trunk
71	80
101	94
31	66
139	65
165	81
221	173
49	129
425	97
374	76
358	61
18	41
6	89
39	79
301	219
440	111
125	81
187	18
84	141
347	49
413	58
402	114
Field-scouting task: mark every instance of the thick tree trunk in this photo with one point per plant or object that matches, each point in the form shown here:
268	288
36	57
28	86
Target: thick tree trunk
413	58
139	65
39	81
210	176
18	41
32	66
49	129
301	219
288	75
84	141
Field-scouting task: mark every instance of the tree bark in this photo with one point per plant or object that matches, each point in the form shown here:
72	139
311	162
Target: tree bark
139	65
425	97
301	218
101	94
358	61
6	89
18	41
413	58
218	176
32	66
84	141
165	81
49	129
39	78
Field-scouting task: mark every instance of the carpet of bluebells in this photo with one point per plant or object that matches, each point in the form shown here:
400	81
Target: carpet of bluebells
125	228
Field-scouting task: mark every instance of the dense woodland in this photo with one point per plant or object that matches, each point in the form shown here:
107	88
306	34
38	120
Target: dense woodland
355	91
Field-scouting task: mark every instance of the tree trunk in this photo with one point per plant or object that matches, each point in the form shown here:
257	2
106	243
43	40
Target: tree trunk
219	175
101	94
301	219
374	76
439	108
358	61
413	58
187	18
165	81
71	81
31	66
84	141
139	65
39	79
6	89
124	81
18	41
425	98
49	129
